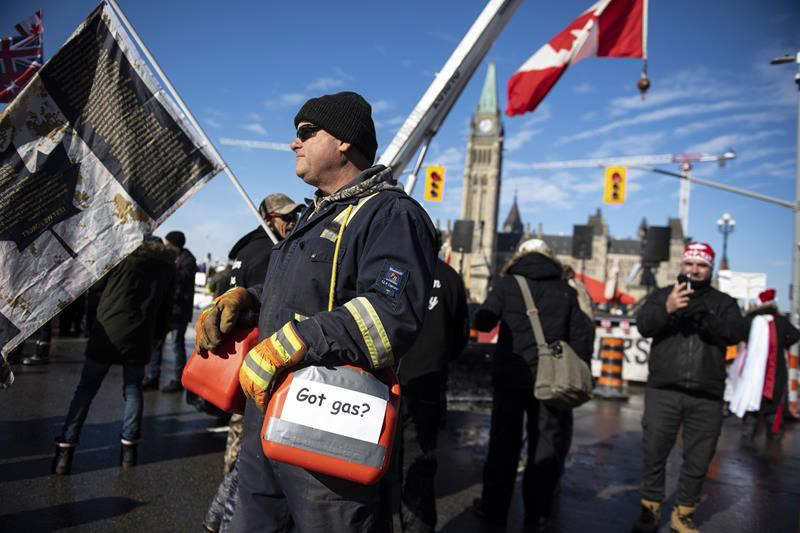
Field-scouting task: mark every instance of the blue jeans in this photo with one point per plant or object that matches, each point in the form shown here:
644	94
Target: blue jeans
92	377
177	341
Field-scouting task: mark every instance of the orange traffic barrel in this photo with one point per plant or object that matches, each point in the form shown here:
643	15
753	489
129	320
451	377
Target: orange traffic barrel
794	375
609	384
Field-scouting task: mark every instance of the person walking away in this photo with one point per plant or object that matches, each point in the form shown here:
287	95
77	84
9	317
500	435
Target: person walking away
249	257
182	307
549	429
423	377
135	302
691	324
782	336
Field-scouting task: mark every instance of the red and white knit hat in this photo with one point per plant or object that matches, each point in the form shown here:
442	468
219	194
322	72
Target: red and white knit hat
699	251
767	297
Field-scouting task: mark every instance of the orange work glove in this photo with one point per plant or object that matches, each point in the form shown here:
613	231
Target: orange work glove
219	318
282	349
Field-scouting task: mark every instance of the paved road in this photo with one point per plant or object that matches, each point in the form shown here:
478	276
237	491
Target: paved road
181	463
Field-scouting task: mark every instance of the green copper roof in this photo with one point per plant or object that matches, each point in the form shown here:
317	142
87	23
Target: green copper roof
488	102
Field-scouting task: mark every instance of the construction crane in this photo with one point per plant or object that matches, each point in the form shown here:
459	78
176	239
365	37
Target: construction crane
684	160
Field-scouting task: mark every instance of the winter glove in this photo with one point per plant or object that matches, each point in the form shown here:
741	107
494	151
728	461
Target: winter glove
219	318
282	349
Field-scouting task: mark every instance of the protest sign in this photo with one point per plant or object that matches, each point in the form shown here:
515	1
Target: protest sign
93	156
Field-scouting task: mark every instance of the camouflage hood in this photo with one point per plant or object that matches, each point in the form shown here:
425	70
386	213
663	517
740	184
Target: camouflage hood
374	179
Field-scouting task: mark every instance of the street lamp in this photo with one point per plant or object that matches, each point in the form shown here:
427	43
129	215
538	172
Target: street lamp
725	224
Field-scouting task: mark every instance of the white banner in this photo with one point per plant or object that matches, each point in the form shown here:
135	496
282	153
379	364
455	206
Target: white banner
93	156
742	285
635	348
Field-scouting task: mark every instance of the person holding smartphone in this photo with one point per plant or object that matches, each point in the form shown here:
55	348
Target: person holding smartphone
691	324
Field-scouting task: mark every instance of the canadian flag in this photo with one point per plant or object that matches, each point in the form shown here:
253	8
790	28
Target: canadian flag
610	28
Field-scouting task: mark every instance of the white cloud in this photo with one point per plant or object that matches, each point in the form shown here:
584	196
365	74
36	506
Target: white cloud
213	123
381	105
254	117
739	120
284	100
583	88
261	145
589	115
534	192
324	84
516	141
451	157
541	114
652	116
723	142
645	143
395	121
255	127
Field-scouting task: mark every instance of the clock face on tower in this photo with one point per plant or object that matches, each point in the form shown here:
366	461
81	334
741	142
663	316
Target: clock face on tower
485	125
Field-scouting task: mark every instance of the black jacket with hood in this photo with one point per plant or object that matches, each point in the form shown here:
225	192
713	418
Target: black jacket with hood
183	300
134	306
250	256
559	312
688	350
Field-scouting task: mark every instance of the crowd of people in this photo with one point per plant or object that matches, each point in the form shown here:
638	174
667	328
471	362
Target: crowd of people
355	279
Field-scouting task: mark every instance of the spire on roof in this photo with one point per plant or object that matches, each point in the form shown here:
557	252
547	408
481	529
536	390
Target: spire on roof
513	223
488	101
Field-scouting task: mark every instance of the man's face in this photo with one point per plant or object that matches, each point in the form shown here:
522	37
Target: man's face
283	224
696	270
316	152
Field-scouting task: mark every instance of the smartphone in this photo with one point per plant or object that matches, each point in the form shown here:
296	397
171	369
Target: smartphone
683	278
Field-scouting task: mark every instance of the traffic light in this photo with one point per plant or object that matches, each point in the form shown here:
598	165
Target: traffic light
434	183
616	178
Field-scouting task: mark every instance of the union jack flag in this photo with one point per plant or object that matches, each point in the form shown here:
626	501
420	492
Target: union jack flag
21	56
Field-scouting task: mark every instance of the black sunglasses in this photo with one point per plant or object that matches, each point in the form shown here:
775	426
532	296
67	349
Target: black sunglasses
306	131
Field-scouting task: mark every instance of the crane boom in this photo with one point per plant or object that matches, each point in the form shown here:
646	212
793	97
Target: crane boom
658	159
431	110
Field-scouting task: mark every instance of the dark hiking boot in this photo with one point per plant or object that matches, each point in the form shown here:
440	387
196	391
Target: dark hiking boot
36	359
62	461
649	517
172	386
682	520
150	384
127	455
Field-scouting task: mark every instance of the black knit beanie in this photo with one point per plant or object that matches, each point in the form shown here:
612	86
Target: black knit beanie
346	116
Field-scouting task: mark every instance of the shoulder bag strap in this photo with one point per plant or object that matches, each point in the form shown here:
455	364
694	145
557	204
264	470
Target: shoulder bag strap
533	314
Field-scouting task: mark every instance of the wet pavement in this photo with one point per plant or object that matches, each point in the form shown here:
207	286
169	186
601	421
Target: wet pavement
180	462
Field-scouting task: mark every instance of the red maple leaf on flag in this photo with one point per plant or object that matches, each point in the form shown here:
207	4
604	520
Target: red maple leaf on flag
566	39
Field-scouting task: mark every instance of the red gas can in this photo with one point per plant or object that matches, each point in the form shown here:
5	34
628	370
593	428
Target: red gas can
338	421
215	376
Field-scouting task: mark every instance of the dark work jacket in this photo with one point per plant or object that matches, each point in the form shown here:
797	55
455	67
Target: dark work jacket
559	313
183	297
445	329
134	307
786	335
688	349
250	257
384	275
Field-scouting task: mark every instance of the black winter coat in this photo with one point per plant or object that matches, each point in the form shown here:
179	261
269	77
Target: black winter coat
251	258
445	329
183	298
134	307
560	315
786	335
688	350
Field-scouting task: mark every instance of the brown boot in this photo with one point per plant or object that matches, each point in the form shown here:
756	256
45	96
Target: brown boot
649	518
682	520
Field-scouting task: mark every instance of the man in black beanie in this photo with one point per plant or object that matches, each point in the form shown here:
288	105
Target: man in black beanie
379	243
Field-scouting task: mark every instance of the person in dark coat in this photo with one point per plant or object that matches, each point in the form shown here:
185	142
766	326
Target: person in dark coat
772	408
135	303
423	377
549	429
250	257
691	324
182	307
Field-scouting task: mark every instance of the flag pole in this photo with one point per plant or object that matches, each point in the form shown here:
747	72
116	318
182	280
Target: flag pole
129	27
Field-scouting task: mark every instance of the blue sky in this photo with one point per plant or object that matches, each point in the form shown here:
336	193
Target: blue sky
244	68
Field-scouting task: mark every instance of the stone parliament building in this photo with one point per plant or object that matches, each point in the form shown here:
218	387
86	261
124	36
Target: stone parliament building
612	260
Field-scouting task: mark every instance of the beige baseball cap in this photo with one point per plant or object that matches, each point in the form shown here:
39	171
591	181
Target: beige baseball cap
277	203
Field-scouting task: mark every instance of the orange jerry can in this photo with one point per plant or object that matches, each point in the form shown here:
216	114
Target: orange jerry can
338	421
215	376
